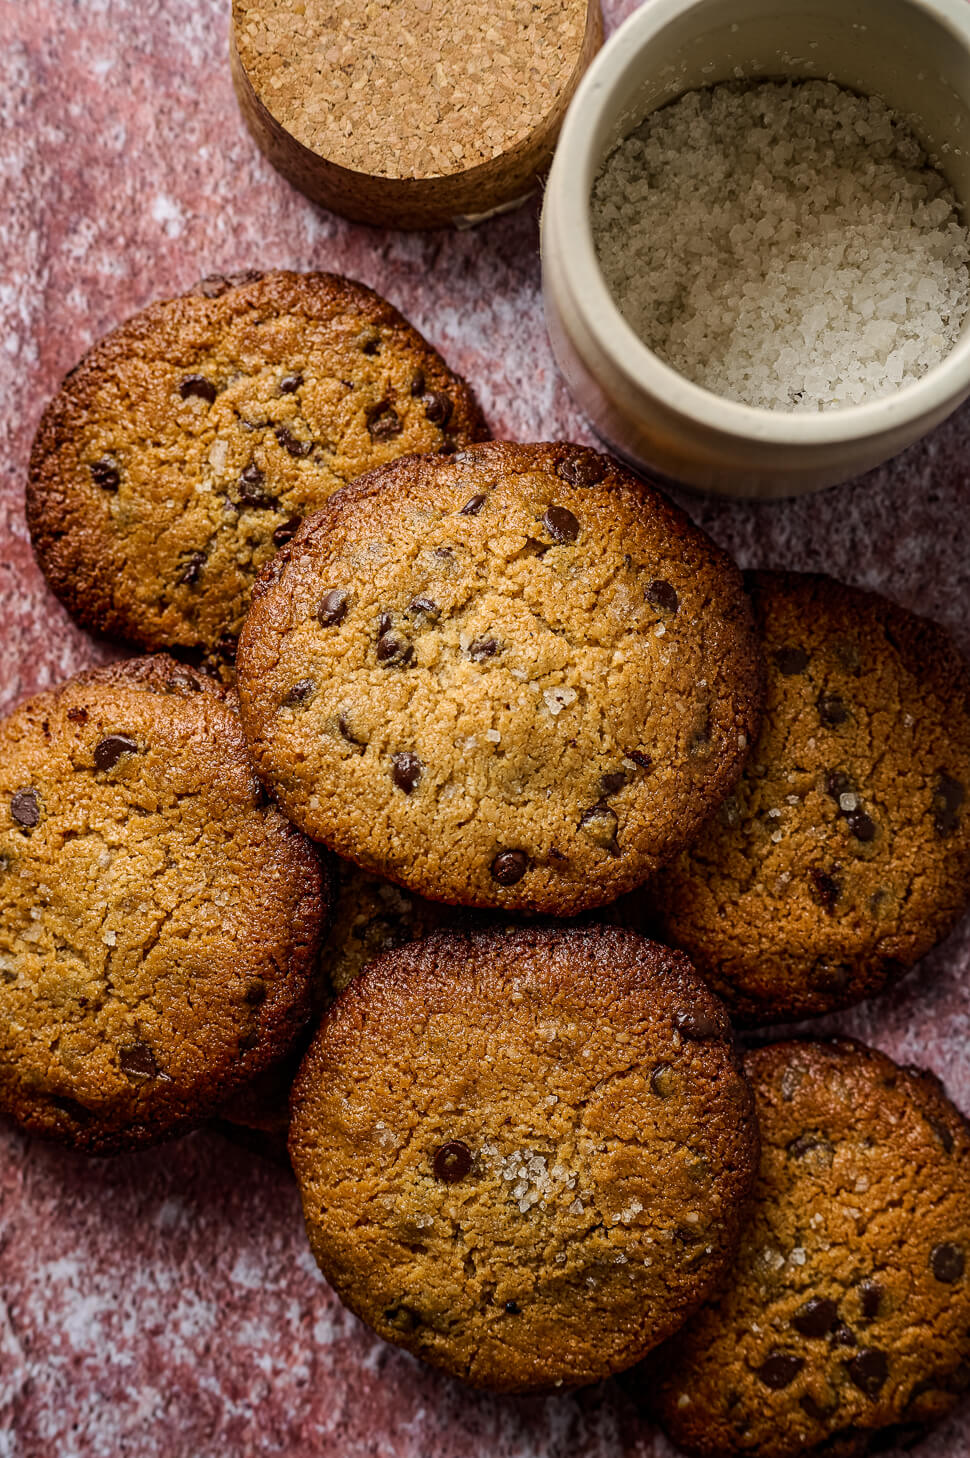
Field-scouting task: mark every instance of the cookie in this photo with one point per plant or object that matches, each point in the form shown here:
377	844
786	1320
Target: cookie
515	677
845	1327
190	443
844	854
159	921
524	1154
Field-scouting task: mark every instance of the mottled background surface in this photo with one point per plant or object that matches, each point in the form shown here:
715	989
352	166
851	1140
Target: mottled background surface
166	1303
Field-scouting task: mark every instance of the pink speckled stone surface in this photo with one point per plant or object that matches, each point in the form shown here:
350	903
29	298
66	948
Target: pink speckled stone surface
166	1303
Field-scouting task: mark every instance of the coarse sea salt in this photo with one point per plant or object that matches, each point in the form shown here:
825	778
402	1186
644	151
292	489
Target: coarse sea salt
784	244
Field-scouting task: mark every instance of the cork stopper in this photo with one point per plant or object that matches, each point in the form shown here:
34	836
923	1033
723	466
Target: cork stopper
410	113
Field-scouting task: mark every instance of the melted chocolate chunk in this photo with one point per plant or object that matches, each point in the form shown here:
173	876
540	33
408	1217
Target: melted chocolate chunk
814	1409
948	799
816	1317
383	421
643	760
612	784
509	866
289	384
368	341
513	1308
424	607
779	1369
473	505
394	650
483	648
110	750
452	1162
947	1262
870	1299
838	783
347	733
561	525
301	691
868	1369
418	384
832	710
826	888
843	1337
105	473
198	386
333	607
292	444
251	490
406	770
137	1062
192	570
663	1080
862	826
663	595
25	808
697	1025
581	470
790	661
287	530
438	408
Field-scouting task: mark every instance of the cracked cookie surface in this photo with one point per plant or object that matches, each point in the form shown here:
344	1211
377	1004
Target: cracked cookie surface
158	920
843	855
845	1327
524	1155
515	677
189	444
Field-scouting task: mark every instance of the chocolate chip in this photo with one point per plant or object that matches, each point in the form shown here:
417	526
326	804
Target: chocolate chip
25	808
137	1062
827	889
78	716
417	383
509	866
843	1337
947	1262
368	341
779	1369
581	470
406	770
424	607
662	1080
192	570
289	384
394	650
613	783
384	621
868	1370
870	1299
599	824
198	386
110	750
483	648
287	530
473	505
663	595
226	647
251	491
513	1308
105	473
696	1025
304	689
561	525
333	607
790	661
862	826
347	733
452	1162
438	408
948	798
814	1144
832	710
838	783
291	444
816	1317
383	421
638	757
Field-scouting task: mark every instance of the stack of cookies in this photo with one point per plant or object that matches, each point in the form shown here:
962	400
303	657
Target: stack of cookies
467	797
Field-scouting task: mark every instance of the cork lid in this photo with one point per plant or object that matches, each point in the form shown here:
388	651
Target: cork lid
412	92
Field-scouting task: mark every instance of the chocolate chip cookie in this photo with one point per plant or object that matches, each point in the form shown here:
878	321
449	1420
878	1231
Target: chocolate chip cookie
845	1327
515	677
189	444
844	854
159	920
524	1154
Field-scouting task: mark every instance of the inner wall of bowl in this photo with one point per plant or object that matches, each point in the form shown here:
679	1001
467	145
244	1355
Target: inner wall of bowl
894	49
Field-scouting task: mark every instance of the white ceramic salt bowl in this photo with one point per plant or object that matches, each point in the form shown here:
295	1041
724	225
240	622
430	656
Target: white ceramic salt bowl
915	54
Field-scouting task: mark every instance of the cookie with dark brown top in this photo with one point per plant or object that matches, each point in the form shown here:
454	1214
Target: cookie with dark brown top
844	854
524	1155
159	920
190	443
515	677
845	1326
